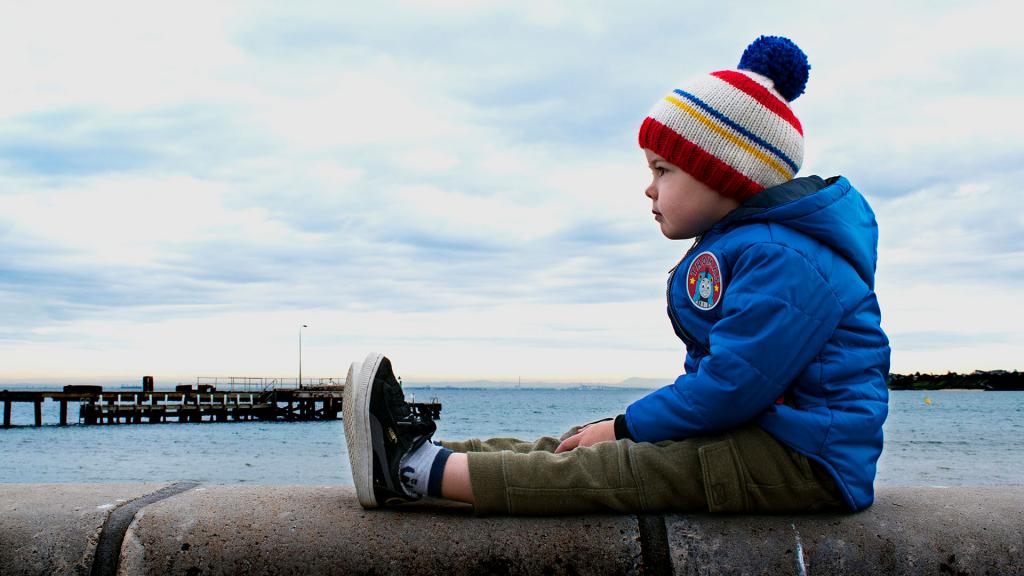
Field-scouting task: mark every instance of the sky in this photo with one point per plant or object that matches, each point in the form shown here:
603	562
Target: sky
457	184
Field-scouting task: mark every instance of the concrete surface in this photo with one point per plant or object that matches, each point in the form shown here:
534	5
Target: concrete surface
910	530
53	528
218	529
323	530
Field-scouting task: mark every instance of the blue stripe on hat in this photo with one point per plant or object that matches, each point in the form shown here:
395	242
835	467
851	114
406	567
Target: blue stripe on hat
747	133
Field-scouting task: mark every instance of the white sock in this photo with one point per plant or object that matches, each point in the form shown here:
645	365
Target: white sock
422	469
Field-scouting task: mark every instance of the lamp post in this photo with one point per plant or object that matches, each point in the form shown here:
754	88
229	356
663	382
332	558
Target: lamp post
300	353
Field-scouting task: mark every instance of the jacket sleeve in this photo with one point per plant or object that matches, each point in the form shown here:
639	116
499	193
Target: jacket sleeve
777	314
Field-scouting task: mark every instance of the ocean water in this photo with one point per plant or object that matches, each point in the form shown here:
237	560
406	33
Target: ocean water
931	438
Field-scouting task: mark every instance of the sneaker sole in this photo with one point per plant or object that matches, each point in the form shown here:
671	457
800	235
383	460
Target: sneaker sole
353	372
356	418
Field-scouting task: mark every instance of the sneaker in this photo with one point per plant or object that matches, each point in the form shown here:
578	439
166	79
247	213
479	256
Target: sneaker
380	428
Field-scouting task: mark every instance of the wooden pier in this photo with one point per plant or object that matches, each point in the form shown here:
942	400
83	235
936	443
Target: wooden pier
209	405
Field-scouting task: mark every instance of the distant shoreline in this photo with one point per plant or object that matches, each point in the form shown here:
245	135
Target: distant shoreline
992	380
979	380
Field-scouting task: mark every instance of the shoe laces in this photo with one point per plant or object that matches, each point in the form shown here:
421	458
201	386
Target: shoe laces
404	414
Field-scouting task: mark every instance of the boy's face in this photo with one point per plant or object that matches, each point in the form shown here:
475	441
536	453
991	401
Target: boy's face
683	206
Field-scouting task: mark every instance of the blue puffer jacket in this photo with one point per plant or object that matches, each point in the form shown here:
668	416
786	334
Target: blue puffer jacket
776	301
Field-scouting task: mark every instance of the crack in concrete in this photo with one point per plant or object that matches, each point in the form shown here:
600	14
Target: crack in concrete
801	564
108	549
654	547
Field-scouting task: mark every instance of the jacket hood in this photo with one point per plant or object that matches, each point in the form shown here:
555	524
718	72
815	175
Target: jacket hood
831	211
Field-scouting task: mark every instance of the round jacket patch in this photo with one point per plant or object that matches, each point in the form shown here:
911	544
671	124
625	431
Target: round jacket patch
704	281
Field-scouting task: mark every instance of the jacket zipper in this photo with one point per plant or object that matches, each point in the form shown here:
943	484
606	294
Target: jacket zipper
687	337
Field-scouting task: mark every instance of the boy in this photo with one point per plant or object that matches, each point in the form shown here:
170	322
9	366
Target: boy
781	405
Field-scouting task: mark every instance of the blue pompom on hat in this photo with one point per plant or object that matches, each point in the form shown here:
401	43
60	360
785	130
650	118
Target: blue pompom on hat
734	129
781	60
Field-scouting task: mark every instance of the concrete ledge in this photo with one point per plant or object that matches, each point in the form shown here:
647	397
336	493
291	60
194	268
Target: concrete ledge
907	531
54	528
215	529
259	530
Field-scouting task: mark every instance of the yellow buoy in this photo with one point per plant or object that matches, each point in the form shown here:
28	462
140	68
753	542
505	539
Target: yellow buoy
927	401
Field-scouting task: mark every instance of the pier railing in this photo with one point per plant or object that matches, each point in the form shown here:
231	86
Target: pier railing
263	384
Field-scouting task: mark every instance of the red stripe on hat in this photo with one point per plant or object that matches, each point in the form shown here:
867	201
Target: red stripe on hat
718	175
758	92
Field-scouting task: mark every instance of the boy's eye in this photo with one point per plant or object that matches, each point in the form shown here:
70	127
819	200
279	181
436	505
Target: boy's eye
660	171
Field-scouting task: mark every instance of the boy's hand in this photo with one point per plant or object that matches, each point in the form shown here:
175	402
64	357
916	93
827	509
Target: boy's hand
603	431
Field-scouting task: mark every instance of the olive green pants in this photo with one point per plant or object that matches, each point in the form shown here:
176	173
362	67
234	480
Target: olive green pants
743	470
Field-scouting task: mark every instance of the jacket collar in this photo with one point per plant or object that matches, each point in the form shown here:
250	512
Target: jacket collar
775	196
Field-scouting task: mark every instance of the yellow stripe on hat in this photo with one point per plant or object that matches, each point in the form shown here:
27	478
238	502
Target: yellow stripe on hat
775	165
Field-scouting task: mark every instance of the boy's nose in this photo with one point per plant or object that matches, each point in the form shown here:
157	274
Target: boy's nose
650	192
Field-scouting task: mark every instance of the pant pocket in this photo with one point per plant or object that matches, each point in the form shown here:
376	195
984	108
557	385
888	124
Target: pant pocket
724	477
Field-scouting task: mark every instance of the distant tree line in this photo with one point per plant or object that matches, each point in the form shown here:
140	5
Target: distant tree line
977	380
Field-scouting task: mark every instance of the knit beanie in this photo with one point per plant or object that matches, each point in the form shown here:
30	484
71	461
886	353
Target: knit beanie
733	129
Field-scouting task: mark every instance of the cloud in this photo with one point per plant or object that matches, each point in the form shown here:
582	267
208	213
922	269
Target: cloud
456	178
945	231
76	141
